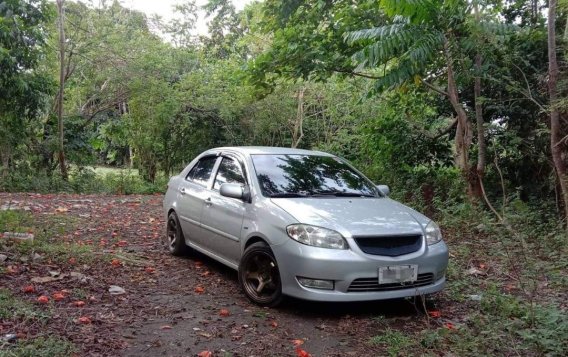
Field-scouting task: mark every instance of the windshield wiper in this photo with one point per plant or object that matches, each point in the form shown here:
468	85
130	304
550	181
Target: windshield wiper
340	194
287	195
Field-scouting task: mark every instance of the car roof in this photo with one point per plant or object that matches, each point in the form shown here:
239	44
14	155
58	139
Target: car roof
256	150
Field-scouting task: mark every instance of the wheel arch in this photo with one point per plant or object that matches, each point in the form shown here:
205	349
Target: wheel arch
254	239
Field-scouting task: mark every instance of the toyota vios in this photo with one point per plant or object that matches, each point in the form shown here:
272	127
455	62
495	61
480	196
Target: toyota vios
304	224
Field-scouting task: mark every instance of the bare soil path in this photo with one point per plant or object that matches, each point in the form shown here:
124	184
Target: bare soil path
174	306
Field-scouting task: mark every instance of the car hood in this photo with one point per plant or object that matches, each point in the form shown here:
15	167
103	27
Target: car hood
355	216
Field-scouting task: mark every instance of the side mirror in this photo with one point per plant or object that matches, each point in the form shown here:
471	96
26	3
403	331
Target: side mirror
384	189
234	190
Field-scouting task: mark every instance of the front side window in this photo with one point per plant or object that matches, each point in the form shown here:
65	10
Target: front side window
229	172
309	176
201	172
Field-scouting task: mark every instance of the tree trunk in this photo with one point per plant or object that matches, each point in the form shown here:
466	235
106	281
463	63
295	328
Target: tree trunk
298	133
463	129
6	155
481	147
61	152
555	126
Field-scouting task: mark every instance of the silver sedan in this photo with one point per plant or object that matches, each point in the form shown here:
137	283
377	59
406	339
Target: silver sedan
304	224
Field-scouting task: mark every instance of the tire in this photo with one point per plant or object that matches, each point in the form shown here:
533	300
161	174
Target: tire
258	267
175	240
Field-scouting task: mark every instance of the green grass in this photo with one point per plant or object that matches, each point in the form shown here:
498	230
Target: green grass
395	342
12	308
86	179
46	240
105	170
38	347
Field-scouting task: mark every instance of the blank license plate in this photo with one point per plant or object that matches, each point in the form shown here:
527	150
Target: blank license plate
398	274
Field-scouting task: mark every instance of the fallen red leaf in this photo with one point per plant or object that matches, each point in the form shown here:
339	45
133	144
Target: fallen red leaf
205	354
224	312
449	326
482	266
84	320
199	290
114	234
116	262
206	273
166	327
301	353
58	296
43	299
28	289
122	243
274	324
79	303
149	270
434	314
72	261
298	342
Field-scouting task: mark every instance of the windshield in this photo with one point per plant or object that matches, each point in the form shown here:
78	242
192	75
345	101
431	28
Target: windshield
309	176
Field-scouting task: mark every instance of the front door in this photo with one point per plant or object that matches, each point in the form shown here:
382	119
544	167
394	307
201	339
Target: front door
222	217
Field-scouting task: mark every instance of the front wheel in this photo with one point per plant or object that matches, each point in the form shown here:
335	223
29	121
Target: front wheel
176	241
259	276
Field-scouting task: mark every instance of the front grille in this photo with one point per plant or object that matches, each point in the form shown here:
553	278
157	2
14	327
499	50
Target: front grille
391	246
372	284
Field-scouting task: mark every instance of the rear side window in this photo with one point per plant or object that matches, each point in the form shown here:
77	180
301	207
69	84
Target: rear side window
229	172
201	172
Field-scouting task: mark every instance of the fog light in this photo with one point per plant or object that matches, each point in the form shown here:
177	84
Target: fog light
316	283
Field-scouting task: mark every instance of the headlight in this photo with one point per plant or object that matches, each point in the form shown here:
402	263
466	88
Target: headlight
316	236
433	233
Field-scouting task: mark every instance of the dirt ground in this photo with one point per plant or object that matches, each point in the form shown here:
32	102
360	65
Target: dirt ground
173	306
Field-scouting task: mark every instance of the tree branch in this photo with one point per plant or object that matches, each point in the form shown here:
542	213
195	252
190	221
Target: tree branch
352	73
432	87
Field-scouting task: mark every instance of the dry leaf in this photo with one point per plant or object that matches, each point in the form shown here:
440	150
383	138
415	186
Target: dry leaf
84	320
434	314
301	353
79	303
28	289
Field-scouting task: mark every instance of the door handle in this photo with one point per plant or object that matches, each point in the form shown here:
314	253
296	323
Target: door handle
182	190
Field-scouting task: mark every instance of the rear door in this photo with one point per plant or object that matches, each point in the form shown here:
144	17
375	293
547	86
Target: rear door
222	217
193	192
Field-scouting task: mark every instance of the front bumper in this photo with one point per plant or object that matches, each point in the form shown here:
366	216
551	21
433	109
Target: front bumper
345	266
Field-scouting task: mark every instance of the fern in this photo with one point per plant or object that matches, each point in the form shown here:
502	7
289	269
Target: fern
416	11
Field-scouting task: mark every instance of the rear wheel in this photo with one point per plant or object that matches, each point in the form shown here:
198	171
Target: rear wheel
175	239
259	276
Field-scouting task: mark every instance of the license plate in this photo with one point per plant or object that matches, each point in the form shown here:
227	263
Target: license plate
398	274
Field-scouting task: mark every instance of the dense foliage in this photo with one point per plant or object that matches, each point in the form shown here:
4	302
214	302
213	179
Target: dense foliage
417	93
